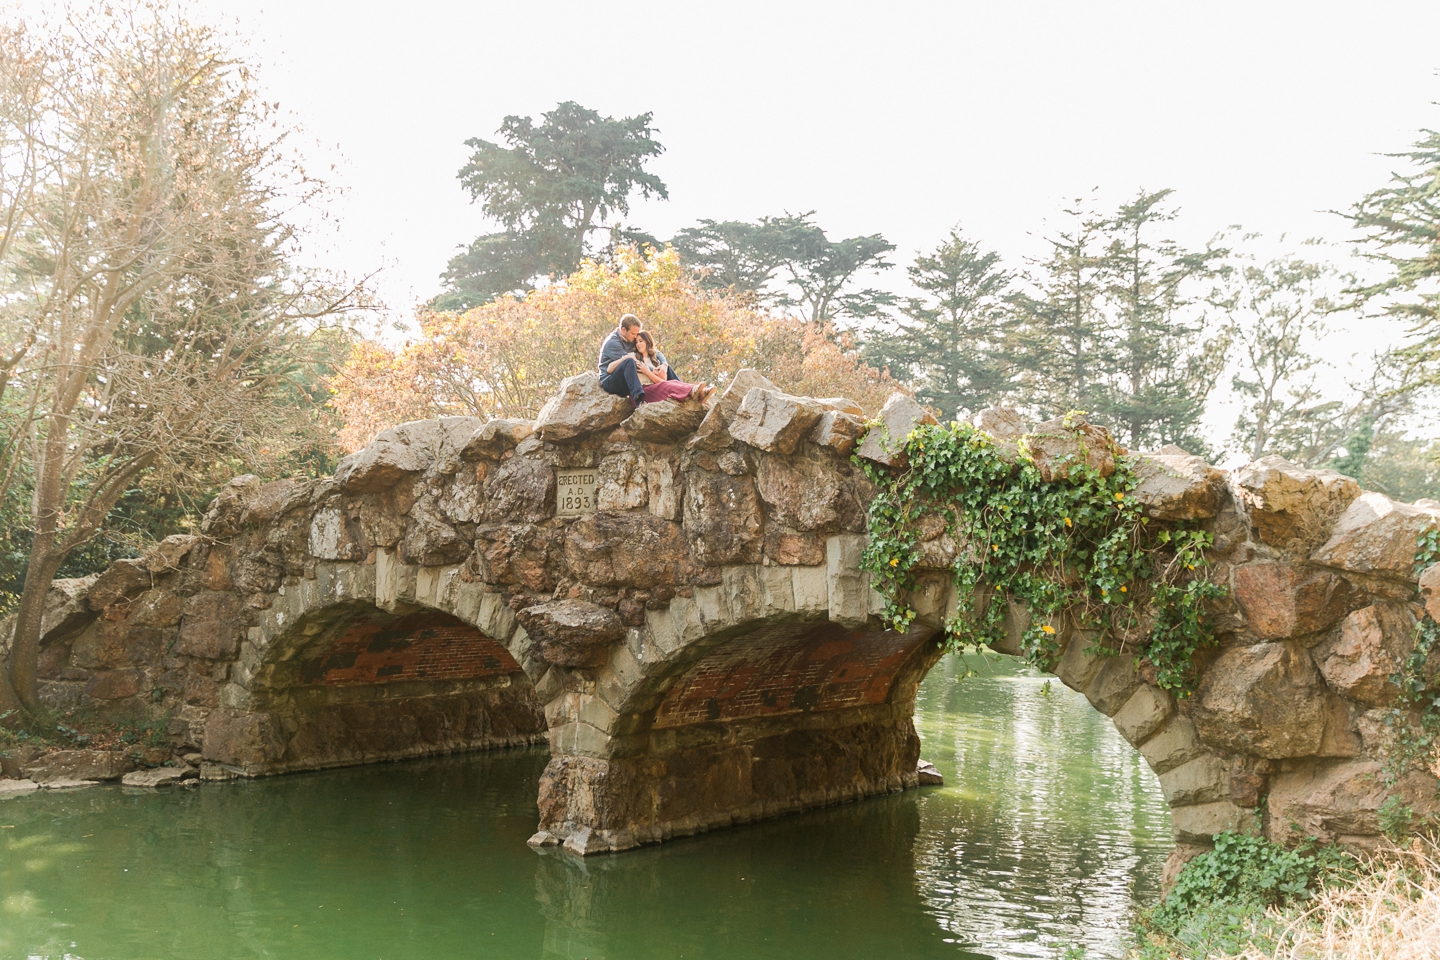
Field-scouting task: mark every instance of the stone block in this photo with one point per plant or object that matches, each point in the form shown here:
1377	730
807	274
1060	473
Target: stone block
1376	535
159	777
1174	485
580	408
1113	685
838	431
808	494
744	594
665	422
621	482
723	520
1370	647
848	587
1058	446
114	685
629	550
1288	505
774	421
395	453
572	633
712	434
1430	590
811	589
1174	744
1283	600
1200	822
496	437
1326	800
1202	780
662	488
885	441
1144	713
1265	701
1078	666
65	765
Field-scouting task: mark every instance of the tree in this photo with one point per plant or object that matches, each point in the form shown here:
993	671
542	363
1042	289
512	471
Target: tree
1065	352
788	262
1280	314
147	256
507	357
955	344
550	188
1401	227
1114	324
1165	367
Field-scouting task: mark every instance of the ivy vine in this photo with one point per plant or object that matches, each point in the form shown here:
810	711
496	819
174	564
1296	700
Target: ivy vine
1079	547
1415	717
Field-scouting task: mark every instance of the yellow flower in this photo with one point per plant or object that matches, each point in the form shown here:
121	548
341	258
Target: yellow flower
1124	590
894	561
1119	496
1048	629
995	547
1068	523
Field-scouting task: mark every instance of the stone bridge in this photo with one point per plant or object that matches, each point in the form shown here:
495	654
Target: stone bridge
672	600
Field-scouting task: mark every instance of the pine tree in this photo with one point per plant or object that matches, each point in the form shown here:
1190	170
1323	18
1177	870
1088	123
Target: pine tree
954	342
1164	366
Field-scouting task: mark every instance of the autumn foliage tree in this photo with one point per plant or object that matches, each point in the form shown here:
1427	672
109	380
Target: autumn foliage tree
147	275
507	357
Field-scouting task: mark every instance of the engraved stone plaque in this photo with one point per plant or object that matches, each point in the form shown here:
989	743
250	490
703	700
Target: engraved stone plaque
575	492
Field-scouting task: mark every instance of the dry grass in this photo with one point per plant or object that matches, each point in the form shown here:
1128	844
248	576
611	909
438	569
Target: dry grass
1391	913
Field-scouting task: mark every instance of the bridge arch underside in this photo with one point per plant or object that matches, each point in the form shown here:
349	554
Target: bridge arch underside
351	683
751	719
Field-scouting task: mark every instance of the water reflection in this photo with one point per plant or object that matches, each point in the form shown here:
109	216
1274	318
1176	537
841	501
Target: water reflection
1050	827
1047	830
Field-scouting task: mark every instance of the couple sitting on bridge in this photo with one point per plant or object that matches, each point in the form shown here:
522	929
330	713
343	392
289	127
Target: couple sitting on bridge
630	366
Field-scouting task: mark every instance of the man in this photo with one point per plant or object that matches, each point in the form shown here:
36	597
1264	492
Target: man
617	362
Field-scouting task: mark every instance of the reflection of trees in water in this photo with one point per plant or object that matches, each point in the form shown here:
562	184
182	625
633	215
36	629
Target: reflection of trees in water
1048	820
229	870
829	883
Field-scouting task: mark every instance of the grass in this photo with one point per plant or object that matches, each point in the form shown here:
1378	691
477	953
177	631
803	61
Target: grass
1387	908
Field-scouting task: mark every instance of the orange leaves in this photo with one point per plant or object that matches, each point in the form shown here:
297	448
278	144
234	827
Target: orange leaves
507	357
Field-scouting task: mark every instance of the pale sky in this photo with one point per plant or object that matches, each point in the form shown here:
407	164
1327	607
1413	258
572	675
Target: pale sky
899	118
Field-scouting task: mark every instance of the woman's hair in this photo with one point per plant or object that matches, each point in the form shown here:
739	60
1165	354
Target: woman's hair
649	342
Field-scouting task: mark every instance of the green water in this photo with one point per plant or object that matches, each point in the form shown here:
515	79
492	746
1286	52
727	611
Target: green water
1049	830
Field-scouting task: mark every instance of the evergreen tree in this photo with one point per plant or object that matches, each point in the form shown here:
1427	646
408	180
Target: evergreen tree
788	262
550	187
1401	223
954	342
1065	354
1164	366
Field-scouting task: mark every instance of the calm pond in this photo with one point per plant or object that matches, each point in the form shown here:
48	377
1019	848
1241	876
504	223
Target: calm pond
1048	832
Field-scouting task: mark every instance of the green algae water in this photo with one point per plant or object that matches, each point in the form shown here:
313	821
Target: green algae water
1048	833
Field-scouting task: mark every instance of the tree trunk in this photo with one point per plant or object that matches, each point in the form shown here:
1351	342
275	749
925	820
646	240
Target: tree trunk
25	647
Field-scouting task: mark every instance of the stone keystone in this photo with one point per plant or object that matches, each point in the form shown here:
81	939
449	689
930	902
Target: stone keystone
773	421
572	633
1285	503
885	442
581	407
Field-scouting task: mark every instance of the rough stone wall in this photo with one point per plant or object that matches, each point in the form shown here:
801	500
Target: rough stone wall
672	597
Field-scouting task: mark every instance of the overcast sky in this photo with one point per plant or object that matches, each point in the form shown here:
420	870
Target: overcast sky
899	118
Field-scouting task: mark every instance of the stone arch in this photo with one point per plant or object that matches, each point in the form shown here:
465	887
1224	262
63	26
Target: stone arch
338	672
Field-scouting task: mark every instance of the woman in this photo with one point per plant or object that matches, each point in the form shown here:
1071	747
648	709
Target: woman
654	373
